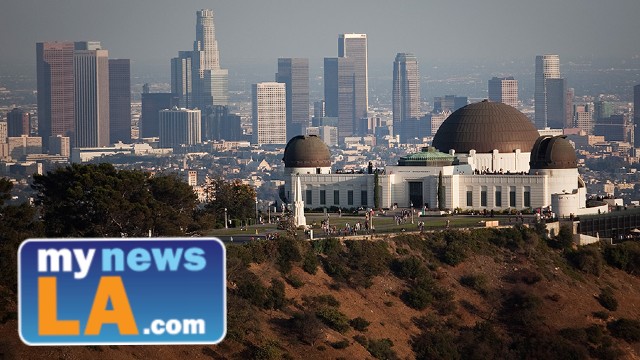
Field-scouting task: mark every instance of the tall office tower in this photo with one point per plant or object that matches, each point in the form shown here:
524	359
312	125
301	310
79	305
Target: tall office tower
91	95
504	90
54	62
636	116
152	103
119	100
294	73
319	109
556	103
179	127
206	40
583	118
269	110
568	107
355	46
210	82
406	94
339	80
18	123
181	78
547	67
232	128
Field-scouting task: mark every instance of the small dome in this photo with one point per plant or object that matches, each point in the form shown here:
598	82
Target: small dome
306	152
553	152
485	126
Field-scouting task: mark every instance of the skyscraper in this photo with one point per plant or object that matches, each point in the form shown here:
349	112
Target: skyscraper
182	78
406	93
269	110
339	84
18	123
119	100
179	127
504	90
556	99
91	95
355	46
54	61
206	41
636	116
547	67
210	82
294	73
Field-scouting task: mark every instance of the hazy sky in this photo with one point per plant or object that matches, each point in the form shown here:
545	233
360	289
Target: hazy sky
153	31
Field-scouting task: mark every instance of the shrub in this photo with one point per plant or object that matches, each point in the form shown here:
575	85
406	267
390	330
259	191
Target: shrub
565	237
602	315
359	324
333	318
433	344
381	349
625	256
607	299
288	252
361	339
342	344
477	282
587	259
520	309
306	326
310	262
275	297
419	295
526	276
294	281
409	268
626	329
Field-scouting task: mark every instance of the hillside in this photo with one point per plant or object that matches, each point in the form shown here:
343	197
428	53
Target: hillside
446	295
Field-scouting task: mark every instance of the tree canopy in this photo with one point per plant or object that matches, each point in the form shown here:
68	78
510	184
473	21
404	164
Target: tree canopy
238	198
100	201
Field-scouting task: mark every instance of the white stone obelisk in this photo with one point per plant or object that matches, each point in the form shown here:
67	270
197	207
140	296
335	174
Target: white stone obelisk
298	205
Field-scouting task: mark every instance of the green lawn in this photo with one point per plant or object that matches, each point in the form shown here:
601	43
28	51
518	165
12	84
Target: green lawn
382	224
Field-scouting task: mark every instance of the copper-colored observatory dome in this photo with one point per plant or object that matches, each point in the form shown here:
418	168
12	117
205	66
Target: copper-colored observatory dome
553	152
484	127
306	152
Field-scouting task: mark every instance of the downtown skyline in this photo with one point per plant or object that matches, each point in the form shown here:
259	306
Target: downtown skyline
149	32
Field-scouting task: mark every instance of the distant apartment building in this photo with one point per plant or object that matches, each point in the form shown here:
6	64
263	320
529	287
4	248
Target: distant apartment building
269	113
583	118
152	103
60	145
21	146
449	103
18	122
179	127
504	90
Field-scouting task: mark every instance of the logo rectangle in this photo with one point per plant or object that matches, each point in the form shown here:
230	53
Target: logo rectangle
141	291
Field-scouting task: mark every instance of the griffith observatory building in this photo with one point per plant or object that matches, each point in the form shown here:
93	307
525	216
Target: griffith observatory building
485	156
